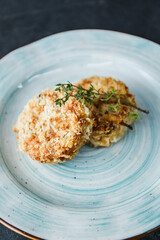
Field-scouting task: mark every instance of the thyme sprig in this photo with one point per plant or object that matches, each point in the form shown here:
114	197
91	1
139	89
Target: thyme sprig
80	93
89	95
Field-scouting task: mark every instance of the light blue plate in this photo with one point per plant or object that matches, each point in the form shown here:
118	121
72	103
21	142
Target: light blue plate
104	193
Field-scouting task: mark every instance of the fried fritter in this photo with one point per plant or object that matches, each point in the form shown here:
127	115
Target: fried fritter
110	125
50	133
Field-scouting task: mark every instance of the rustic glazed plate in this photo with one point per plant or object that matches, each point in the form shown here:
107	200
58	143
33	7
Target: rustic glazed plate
104	193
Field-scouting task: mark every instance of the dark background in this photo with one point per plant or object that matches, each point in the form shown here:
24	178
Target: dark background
25	21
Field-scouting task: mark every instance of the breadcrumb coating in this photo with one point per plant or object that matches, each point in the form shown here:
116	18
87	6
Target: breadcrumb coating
107	129
50	133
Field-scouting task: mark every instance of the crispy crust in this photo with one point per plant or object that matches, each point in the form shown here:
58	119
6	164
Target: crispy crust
49	133
107	129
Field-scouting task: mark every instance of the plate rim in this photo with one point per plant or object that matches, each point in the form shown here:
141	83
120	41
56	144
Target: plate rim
78	30
6	223
30	236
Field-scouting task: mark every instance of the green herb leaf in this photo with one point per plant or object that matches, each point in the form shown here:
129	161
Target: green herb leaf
134	115
83	101
113	108
58	102
119	101
58	89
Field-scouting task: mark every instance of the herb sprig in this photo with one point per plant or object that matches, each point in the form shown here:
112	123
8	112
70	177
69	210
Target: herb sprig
78	92
89	95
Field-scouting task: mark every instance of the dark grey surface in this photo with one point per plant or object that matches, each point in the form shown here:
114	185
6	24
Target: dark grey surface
24	21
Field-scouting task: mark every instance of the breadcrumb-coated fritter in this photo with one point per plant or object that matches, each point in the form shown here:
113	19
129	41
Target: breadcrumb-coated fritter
50	133
107	127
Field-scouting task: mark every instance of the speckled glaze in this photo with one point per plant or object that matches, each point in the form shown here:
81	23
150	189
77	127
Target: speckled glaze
104	193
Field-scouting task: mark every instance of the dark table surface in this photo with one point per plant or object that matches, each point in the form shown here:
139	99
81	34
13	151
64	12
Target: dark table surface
25	21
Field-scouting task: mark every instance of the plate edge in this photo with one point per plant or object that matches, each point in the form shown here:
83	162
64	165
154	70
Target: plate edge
19	231
30	236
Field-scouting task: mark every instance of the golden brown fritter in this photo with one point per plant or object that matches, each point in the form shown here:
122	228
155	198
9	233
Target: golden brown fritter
107	127
50	133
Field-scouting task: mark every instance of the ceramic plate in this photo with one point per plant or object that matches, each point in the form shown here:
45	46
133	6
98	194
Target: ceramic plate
104	193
